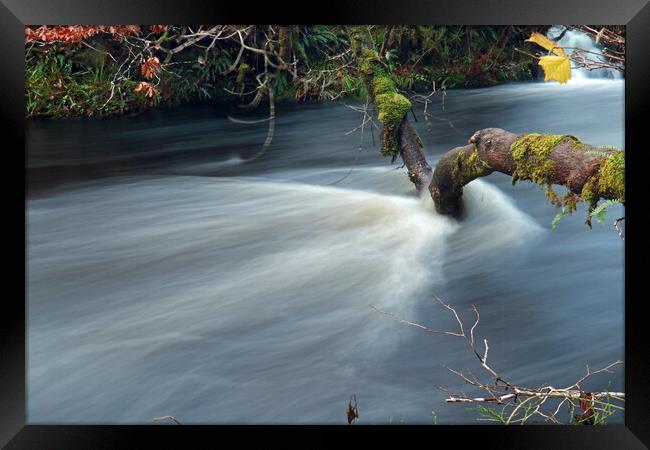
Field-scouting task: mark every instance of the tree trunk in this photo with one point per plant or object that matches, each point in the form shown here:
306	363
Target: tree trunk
412	153
285	43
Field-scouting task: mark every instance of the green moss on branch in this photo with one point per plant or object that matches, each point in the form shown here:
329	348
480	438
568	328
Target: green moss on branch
391	105
611	177
383	85
367	62
466	168
392	109
531	153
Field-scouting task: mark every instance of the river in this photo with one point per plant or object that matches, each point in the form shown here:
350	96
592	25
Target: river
167	276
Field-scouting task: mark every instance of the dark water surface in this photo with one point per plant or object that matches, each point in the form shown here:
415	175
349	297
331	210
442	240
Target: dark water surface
168	277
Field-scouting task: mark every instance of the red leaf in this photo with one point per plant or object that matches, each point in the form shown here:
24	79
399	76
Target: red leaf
147	88
150	68
586	401
158	29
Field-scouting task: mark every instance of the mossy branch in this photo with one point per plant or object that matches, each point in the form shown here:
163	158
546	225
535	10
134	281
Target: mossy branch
398	137
589	173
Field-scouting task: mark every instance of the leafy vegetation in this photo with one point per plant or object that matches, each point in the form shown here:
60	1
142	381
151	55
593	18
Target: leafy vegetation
97	70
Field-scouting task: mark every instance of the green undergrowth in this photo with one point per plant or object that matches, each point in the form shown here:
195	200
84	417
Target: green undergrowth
80	80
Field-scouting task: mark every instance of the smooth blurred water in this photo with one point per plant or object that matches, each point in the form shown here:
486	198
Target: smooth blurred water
166	276
574	39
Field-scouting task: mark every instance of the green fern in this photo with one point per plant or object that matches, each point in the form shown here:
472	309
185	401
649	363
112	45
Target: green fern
601	210
563	212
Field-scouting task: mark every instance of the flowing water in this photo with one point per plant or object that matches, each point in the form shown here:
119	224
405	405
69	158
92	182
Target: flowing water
574	39
167	276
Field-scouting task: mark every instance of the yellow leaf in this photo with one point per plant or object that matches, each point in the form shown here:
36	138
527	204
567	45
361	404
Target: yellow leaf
545	42
556	68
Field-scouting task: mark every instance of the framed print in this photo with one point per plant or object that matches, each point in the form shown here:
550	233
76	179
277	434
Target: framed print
267	221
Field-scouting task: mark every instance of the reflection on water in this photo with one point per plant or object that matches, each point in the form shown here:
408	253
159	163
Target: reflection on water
166	276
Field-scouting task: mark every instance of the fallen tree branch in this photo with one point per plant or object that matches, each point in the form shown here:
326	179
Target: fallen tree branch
589	172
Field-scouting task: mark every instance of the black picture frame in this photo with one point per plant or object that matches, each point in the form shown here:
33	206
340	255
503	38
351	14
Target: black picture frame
15	14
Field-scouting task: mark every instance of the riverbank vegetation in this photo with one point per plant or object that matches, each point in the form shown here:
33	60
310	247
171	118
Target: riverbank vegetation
97	71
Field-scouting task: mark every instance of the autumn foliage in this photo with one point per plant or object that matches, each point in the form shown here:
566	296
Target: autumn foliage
150	68
148	89
557	66
69	34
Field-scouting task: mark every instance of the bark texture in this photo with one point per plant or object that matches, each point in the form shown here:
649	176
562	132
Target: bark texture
412	153
285	43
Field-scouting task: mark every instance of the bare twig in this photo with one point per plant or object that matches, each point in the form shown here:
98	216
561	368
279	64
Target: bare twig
507	393
172	418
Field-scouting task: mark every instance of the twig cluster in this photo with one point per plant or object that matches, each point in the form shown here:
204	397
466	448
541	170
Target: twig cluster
612	55
519	404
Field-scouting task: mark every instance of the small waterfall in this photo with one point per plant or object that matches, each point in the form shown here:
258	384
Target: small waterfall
578	39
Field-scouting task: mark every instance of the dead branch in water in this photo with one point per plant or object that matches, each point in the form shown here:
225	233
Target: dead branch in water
521	403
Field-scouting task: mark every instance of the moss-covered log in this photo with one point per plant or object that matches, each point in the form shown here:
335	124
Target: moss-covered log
590	173
397	135
454	170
